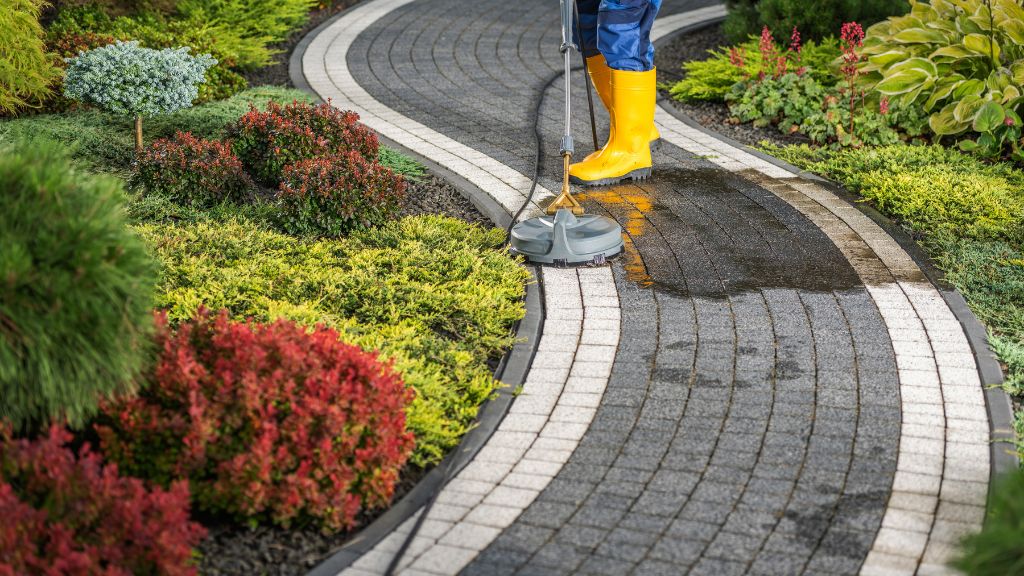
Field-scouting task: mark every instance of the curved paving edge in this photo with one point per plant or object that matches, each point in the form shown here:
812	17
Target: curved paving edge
941	484
943	468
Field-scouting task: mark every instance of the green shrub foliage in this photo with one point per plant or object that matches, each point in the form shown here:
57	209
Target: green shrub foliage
963	62
714	78
102	140
268	21
997	549
332	195
193	171
26	71
438	296
814	18
76	292
931	189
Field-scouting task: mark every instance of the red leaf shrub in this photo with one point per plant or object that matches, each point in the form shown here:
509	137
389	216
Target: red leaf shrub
267	141
64	515
266	420
191	170
332	195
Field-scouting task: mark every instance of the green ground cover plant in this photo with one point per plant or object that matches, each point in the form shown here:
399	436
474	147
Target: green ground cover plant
969	216
433	293
713	79
76	293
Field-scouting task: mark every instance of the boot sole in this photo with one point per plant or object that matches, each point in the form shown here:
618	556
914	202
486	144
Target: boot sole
637	175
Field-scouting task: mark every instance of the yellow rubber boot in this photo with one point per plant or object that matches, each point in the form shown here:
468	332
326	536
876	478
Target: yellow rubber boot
601	76
627	156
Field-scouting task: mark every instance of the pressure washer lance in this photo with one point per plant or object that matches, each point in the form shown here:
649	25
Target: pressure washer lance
566	236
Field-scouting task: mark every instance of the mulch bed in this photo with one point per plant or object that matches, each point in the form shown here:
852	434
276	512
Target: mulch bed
712	115
232	549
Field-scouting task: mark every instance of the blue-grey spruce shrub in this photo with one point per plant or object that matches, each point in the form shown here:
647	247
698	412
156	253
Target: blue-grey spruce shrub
126	79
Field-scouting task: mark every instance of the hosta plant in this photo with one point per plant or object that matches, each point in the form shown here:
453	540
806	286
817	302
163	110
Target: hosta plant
127	79
962	61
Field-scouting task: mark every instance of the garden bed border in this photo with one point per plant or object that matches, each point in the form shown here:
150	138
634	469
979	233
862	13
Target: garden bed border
997	401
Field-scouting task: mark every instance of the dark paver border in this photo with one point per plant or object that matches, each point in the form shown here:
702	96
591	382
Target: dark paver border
997	401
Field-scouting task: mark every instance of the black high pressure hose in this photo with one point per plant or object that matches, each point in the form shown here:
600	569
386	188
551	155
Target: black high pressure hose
452	464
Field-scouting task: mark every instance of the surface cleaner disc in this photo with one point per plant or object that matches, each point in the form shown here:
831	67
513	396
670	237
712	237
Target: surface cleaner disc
564	239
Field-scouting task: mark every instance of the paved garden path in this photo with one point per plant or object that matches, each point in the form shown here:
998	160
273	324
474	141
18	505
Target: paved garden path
766	383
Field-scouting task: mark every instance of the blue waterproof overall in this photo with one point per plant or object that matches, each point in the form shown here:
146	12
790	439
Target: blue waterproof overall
620	30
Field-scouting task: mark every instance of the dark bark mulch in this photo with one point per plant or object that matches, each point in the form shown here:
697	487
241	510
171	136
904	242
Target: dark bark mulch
435	195
712	115
232	549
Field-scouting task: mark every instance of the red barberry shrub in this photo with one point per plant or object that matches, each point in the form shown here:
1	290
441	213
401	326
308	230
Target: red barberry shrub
267	141
266	421
331	195
68	515
192	171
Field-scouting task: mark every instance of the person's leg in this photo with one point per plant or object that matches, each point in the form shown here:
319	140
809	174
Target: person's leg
587	27
623	38
624	33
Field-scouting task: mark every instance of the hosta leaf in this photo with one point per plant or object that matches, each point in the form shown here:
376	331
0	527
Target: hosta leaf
982	45
902	82
920	36
922	65
981	18
1017	69
953	51
941	92
924	12
885	58
965	26
944	124
1014	30
972	87
945	25
1008	11
1010	93
966	108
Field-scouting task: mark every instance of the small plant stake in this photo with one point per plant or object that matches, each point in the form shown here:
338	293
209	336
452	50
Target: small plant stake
127	79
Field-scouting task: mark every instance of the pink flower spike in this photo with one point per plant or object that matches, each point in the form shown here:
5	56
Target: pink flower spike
883	106
1009	121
